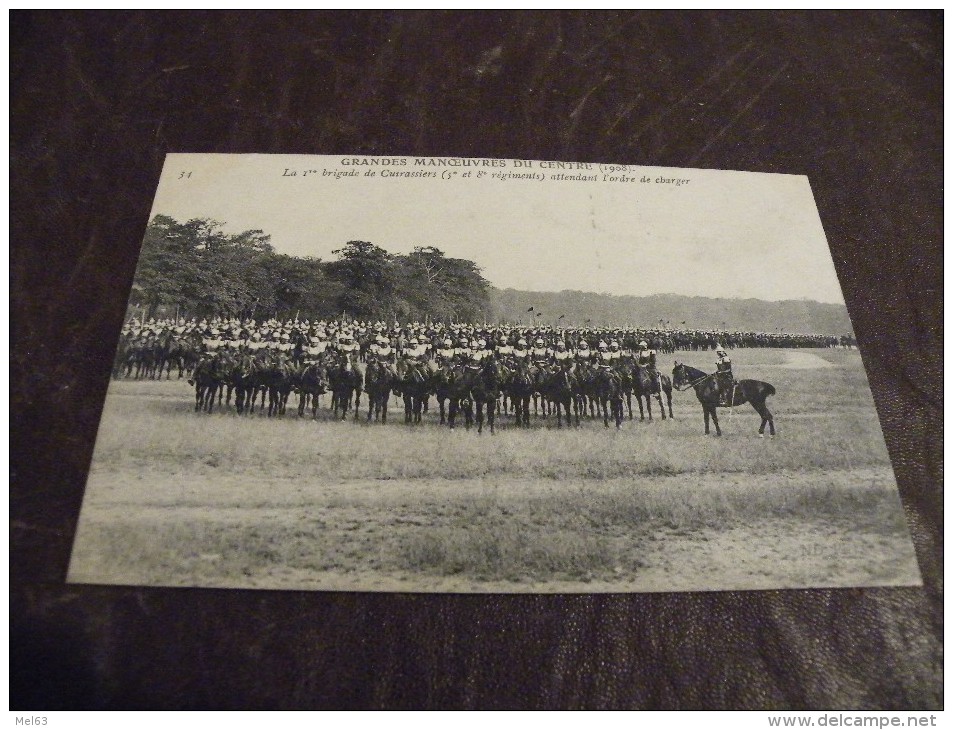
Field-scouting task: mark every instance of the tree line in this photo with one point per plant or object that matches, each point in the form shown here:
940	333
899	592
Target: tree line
196	269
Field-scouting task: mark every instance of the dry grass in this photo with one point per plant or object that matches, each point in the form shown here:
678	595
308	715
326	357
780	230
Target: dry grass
182	498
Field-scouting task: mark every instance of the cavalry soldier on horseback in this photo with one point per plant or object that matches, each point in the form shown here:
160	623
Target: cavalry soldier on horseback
480	352
445	353
411	364
316	348
381	352
646	359
346	346
463	354
615	354
583	353
540	353
724	376
603	357
520	353
563	357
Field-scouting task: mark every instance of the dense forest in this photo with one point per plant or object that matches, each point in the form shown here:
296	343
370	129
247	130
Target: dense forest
195	269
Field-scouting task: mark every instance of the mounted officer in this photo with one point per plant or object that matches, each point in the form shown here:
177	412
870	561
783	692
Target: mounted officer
724	375
645	358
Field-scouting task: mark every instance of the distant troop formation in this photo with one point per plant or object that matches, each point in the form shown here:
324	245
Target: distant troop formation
571	371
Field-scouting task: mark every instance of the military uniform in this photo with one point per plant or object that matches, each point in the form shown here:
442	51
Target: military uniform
725	377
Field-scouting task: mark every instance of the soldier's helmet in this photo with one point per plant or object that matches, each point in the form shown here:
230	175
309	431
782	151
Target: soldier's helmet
583	345
561	345
603	346
539	341
615	345
447	343
413	341
643	344
464	342
481	343
522	342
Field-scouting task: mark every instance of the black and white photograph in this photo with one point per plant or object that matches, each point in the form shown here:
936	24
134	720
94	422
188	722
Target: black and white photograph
418	374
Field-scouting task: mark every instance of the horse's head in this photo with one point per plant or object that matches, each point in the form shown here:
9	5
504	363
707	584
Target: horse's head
679	375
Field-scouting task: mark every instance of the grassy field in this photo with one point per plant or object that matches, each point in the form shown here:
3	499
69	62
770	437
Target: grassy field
178	498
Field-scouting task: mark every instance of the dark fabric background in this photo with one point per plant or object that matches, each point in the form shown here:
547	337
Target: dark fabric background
852	100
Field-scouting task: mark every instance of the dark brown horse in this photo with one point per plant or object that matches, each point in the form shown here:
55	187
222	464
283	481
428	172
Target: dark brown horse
378	382
645	384
347	382
608	384
559	386
517	384
709	395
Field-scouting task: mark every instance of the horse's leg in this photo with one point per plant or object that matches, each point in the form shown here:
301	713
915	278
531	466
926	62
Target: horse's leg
383	405
452	417
707	413
668	397
714	417
408	407
491	415
604	404
479	416
661	405
371	397
628	402
766	417
357	403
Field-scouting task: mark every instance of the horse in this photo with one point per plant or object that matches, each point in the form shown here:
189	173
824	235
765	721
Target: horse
559	386
484	383
414	382
378	381
518	385
206	378
646	384
347	381
708	392
311	382
608	383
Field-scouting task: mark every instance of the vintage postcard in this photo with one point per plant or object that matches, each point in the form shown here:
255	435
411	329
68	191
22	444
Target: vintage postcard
483	375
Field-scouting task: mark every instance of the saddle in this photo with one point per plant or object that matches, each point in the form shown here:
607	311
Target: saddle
726	393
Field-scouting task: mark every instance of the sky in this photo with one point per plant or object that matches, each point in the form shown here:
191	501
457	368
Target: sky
721	234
